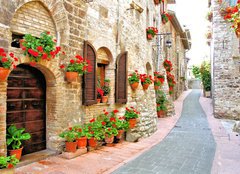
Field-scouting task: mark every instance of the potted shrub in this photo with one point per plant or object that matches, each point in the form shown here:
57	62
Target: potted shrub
81	135
146	80
151	32
15	137
6	63
134	80
43	48
131	115
7	164
75	67
70	139
94	132
106	91
99	94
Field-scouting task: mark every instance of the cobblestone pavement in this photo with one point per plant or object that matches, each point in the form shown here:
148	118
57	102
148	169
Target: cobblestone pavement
188	149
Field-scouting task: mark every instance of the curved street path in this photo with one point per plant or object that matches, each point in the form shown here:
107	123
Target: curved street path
188	149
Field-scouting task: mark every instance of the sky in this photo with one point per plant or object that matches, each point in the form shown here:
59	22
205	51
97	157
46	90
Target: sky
192	13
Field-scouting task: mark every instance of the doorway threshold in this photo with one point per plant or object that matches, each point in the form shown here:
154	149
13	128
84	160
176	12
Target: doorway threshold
36	156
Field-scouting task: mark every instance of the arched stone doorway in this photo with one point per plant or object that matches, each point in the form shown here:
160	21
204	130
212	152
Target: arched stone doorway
26	105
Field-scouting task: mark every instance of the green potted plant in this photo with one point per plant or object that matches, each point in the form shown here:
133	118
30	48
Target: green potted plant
99	94
167	64
161	101
151	32
171	82
106	91
42	48
106	82
7	164
15	137
146	80
131	115
70	139
6	63
75	67
94	132
121	125
134	79
81	138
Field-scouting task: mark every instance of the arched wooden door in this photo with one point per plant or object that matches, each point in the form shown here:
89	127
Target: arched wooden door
26	105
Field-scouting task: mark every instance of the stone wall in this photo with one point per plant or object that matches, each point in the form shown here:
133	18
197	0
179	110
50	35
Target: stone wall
106	24
226	68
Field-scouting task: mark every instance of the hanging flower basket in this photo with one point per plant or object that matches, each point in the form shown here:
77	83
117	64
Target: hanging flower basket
133	79
151	32
165	17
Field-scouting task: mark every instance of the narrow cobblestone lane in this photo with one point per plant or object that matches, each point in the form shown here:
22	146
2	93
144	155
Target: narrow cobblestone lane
188	149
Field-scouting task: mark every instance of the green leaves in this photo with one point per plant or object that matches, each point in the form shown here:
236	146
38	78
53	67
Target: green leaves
16	136
8	162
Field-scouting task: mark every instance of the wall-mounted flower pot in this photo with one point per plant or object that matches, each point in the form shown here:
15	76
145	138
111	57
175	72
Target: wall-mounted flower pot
71	76
132	123
156	87
134	85
17	152
149	37
104	99
71	146
161	114
4	74
81	142
145	86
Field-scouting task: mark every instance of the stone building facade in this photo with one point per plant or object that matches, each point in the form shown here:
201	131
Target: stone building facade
225	66
106	28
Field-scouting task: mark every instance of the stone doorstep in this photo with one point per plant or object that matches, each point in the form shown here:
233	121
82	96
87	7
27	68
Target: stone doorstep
37	156
71	155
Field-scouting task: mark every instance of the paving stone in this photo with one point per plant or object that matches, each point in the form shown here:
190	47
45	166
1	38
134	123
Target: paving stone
189	148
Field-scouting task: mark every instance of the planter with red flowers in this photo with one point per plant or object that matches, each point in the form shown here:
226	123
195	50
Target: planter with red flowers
231	14
6	63
161	101
158	80
133	80
122	126
7	164
151	32
146	80
42	48
165	17
167	64
75	67
171	82
131	115
70	139
81	138
99	94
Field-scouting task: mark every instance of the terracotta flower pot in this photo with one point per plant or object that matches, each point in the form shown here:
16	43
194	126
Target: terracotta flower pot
132	122
104	99
134	85
92	142
120	134
161	114
149	37
71	76
156	87
98	100
17	152
109	139
82	142
4	74
71	146
145	86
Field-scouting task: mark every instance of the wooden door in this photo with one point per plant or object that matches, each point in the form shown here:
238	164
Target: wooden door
26	101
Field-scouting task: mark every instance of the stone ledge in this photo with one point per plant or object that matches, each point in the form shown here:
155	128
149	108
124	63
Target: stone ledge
71	155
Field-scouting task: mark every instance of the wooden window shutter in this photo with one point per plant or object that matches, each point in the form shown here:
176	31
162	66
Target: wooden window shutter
90	78
121	79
